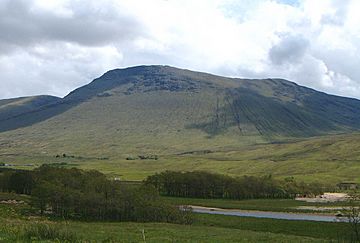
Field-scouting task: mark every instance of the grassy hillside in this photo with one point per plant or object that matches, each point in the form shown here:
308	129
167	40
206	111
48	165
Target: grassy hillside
191	121
12	109
212	104
329	159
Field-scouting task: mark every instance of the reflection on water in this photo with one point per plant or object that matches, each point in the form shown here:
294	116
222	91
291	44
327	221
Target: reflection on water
271	215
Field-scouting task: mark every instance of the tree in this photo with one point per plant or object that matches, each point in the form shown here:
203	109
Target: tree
353	218
202	184
74	193
21	182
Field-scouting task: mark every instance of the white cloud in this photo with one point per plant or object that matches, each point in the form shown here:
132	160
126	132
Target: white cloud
54	69
53	46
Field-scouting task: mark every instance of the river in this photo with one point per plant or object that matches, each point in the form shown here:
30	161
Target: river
270	215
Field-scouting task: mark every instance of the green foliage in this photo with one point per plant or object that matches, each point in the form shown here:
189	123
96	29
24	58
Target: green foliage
47	231
352	214
154	157
208	185
18	181
78	194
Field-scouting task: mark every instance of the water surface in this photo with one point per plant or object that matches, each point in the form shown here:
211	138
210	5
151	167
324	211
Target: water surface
270	215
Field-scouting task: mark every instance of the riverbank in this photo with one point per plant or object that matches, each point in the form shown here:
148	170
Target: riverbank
206	228
272	205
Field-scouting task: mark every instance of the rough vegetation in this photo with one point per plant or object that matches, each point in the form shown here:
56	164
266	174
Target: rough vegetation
77	194
215	228
208	185
59	195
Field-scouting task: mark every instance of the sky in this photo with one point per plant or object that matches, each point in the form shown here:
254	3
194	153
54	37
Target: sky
54	46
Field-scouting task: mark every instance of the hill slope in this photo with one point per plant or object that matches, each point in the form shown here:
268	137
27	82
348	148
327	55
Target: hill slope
174	113
12	109
264	107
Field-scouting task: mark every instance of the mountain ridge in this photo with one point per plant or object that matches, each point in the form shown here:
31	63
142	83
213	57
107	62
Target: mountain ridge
263	106
17	106
190	121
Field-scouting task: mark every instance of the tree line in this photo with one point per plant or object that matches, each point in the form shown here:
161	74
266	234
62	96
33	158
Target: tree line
78	194
209	185
75	193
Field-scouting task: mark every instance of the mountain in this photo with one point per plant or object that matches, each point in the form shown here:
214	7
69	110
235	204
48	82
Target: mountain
258	107
13	109
172	113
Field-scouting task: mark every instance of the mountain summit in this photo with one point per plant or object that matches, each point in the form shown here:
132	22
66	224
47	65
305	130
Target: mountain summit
127	118
182	99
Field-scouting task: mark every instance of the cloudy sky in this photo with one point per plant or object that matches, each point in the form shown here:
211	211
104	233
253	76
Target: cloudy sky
54	46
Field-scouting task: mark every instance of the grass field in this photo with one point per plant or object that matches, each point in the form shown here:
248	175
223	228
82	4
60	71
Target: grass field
206	228
319	230
328	159
132	232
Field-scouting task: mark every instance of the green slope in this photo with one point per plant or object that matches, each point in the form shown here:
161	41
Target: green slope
11	108
270	107
19	112
191	121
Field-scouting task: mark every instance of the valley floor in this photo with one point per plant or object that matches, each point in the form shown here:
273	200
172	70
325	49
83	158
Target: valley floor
205	229
18	224
327	159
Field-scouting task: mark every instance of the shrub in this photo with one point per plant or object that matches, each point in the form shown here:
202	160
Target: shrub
202	184
89	195
47	231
